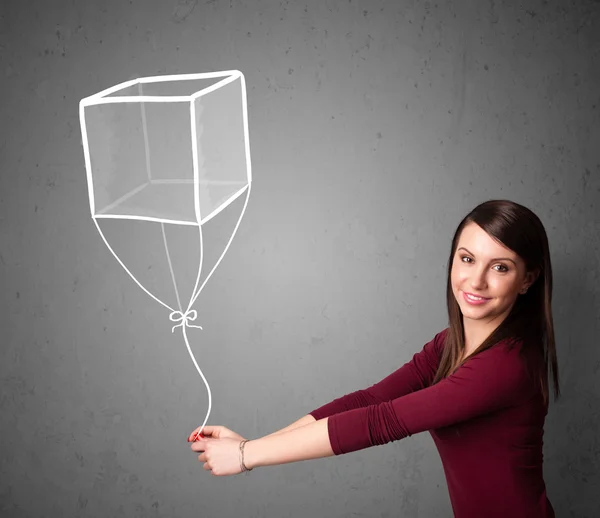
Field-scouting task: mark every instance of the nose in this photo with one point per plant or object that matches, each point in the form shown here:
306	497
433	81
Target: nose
478	279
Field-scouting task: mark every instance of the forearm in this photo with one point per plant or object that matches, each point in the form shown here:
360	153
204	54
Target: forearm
303	421
310	441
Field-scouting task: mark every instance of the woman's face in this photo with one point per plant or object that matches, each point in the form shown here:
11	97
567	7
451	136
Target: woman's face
485	268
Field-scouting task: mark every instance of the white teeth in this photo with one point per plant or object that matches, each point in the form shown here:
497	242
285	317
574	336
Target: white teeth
474	298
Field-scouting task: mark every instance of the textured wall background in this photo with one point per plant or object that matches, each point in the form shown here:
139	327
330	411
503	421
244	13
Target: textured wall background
375	127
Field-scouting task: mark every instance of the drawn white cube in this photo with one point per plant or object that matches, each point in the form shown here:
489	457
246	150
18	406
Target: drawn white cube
172	149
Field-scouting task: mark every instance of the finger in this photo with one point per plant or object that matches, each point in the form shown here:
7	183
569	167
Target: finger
196	435
209	430
198	445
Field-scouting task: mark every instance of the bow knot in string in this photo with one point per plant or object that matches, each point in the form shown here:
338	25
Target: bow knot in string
184	318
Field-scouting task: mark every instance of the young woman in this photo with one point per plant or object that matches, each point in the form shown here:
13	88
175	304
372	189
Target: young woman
480	387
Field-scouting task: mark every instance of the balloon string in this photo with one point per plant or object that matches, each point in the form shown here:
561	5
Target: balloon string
196	292
191	315
162	226
125	267
184	318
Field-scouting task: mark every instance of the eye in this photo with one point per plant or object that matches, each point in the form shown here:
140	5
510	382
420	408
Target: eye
506	269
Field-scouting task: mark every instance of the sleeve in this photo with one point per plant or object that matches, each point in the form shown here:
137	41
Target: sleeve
412	376
494	379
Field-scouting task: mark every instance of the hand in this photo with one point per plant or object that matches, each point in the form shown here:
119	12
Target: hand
216	432
221	456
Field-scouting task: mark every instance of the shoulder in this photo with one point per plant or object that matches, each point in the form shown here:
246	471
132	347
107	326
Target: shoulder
434	348
506	363
510	363
510	352
439	340
508	359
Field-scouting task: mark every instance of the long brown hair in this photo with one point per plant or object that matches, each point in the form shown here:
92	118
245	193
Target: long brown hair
530	319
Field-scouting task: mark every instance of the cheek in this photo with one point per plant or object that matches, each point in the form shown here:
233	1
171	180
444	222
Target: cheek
457	276
505	287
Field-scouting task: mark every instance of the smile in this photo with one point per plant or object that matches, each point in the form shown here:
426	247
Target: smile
472	299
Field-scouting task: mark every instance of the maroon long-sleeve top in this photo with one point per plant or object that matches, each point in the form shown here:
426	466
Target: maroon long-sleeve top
486	419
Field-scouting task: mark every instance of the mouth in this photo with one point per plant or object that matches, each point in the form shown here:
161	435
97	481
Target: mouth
473	296
474	299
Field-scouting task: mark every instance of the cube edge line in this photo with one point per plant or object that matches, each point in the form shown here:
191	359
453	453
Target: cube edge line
228	77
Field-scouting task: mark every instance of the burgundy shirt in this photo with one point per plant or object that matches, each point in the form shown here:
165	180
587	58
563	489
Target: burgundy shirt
486	419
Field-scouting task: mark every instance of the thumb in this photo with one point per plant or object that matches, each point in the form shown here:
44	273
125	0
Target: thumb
212	431
197	434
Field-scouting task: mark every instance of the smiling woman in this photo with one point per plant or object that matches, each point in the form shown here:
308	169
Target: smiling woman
480	386
486	284
500	251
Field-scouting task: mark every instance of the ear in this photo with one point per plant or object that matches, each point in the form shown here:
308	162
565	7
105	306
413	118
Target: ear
531	277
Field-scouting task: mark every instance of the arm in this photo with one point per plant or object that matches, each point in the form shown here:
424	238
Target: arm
414	375
493	379
489	381
303	421
307	442
313	440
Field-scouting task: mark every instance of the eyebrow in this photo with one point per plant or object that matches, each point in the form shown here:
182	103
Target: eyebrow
496	259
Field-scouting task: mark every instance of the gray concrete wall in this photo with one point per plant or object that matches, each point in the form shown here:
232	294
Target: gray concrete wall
375	127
